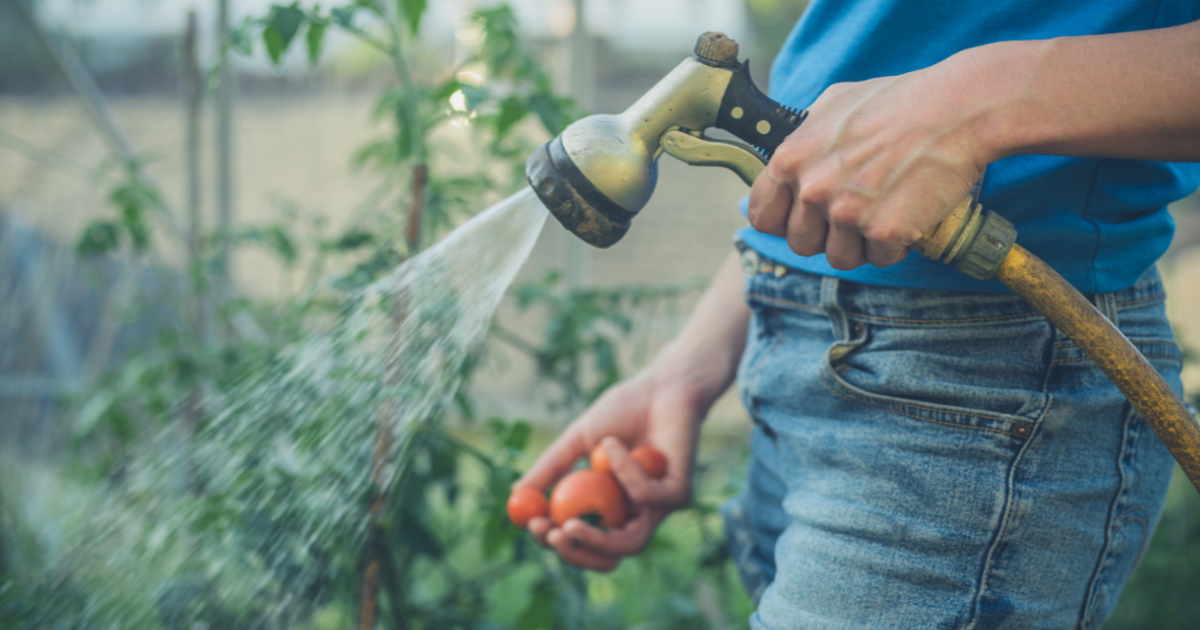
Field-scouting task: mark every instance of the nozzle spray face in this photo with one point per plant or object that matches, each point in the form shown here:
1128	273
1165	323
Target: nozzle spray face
573	199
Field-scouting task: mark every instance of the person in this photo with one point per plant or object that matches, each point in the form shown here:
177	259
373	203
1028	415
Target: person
928	451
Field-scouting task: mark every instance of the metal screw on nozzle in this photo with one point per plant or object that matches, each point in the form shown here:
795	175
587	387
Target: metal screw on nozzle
717	49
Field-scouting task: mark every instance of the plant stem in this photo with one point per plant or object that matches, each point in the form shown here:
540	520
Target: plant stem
391	377
516	341
412	231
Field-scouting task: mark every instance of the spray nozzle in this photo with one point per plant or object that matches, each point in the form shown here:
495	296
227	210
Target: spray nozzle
600	172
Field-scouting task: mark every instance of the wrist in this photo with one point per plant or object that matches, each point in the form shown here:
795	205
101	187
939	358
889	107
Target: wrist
999	98
695	374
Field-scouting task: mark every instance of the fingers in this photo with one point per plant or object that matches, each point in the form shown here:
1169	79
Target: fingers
807	229
769	205
670	492
627	540
555	461
844	247
600	550
575	552
590	547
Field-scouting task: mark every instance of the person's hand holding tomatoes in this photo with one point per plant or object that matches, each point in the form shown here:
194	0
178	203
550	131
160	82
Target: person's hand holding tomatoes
662	407
637	412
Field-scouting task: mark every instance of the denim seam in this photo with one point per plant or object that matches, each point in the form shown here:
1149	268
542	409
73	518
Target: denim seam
1148	356
783	302
1153	341
852	315
756	363
1005	518
854	396
1086	614
1157	296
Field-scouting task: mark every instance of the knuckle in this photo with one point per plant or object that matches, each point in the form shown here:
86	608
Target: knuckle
786	160
842	262
805	244
754	215
883	233
845	216
638	491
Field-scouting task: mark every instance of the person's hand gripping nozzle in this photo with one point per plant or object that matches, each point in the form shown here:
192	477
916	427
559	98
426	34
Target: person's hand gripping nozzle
600	172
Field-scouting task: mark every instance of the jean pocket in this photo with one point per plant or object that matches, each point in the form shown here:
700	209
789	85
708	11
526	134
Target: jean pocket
982	378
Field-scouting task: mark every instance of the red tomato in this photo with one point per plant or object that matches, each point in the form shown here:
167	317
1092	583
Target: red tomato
590	495
524	504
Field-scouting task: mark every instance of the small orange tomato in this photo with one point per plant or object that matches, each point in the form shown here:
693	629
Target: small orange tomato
599	459
526	503
652	461
590	495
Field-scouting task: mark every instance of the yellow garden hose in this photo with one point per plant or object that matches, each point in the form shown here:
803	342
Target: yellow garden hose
983	246
1073	314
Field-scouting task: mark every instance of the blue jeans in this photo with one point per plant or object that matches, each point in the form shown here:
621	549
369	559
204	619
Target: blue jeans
927	459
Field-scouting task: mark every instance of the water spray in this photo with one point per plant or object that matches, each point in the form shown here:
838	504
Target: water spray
599	173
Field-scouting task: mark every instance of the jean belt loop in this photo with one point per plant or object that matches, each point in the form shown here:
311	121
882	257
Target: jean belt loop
1106	303
833	308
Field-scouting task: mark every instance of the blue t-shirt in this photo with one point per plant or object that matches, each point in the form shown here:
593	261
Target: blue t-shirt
1099	222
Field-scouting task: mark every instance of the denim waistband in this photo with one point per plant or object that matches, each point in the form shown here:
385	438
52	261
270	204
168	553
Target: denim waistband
772	284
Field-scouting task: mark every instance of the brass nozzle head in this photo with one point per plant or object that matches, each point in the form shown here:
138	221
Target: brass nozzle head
574	200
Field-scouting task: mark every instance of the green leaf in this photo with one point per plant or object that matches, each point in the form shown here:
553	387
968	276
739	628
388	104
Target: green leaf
518	436
413	9
275	238
500	42
539	612
351	240
512	110
555	113
498	532
445	90
282	25
344	17
315	38
93	411
241	38
99	238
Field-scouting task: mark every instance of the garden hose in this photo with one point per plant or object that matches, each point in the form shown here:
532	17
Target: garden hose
983	246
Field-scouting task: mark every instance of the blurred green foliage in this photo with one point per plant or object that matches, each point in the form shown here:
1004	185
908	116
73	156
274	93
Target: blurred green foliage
451	559
448	556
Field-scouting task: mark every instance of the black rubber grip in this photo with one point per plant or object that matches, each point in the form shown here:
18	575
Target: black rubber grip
752	116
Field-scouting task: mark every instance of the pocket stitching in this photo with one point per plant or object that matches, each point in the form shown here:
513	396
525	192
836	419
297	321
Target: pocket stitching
851	395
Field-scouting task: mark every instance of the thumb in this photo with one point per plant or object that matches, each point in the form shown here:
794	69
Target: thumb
555	461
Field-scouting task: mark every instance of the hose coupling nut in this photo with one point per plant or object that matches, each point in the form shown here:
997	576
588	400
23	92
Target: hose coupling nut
988	247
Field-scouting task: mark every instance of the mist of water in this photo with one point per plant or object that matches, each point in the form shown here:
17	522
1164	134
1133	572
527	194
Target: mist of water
239	512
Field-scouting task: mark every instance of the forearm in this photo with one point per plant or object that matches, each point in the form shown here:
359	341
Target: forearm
702	360
1127	95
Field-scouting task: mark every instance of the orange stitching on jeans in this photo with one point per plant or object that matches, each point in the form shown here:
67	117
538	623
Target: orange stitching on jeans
787	302
892	319
1145	299
1136	342
834	388
1148	356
